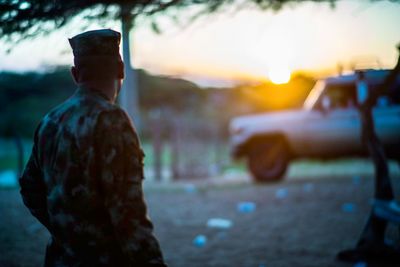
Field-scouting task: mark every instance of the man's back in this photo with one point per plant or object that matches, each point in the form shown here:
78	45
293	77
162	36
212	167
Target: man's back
87	162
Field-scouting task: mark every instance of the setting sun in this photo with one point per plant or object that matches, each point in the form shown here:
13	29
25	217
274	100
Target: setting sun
279	75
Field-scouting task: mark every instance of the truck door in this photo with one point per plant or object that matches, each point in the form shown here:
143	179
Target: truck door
333	125
386	116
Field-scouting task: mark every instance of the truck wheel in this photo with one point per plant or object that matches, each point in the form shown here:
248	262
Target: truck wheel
268	162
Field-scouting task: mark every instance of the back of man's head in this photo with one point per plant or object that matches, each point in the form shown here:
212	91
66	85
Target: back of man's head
96	56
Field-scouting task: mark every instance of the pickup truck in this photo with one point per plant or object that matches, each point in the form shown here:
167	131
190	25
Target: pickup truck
327	126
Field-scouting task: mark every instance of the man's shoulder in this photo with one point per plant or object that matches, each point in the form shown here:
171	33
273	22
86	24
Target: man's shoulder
77	110
114	117
83	105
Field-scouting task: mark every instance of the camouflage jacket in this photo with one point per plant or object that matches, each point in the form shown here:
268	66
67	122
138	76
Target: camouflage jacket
83	182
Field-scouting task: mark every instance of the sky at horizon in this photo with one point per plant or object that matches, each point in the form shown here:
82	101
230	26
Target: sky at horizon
246	45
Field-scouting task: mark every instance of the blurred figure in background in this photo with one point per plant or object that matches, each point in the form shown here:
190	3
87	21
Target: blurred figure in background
83	181
372	246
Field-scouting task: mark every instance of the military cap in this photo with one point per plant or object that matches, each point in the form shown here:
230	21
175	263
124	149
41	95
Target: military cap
103	42
96	53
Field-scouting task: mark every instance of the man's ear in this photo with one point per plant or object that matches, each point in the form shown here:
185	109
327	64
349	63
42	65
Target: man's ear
75	74
121	70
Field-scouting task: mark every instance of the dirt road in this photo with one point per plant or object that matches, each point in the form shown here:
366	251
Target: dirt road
302	222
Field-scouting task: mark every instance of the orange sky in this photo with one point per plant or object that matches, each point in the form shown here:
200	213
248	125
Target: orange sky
248	44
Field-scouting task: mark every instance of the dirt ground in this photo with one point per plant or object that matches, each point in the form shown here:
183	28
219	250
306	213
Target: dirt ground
298	222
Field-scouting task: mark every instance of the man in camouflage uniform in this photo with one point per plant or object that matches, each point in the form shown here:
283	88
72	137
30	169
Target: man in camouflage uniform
83	181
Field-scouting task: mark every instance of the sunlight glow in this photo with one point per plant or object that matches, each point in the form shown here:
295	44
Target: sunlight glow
279	75
250	45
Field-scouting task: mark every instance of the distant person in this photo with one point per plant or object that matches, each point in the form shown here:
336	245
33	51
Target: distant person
83	181
372	246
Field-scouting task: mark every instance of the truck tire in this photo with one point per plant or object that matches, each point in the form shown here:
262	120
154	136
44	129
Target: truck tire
268	162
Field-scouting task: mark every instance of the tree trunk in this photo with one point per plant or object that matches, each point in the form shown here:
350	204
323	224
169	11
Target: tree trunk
129	96
374	230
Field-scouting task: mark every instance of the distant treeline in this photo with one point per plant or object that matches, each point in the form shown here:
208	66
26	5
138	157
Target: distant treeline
26	97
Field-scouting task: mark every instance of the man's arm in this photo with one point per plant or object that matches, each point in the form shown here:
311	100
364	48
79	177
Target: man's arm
121	161
33	189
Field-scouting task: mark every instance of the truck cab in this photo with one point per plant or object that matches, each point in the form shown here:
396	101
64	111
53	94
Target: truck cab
327	126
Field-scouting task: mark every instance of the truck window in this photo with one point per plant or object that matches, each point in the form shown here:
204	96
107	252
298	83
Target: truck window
315	93
341	96
395	95
391	98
